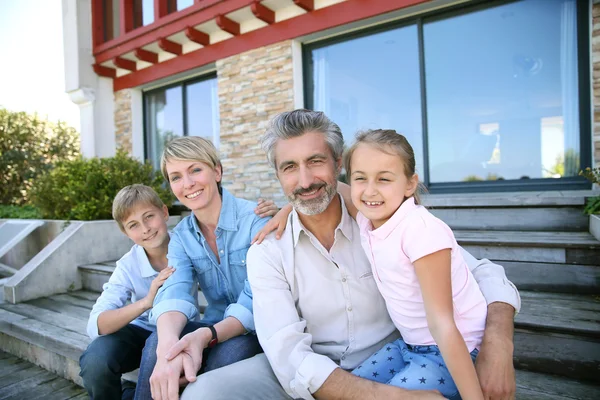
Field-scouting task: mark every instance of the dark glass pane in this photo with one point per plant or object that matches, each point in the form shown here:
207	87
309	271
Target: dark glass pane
203	110
111	19
372	82
164	120
502	93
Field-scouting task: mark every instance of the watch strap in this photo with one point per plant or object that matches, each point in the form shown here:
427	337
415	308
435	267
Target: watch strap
214	340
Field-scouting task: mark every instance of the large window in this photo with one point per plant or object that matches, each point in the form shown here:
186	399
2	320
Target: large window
489	96
187	109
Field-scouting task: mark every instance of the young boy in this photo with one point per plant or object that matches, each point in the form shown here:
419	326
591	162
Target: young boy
119	331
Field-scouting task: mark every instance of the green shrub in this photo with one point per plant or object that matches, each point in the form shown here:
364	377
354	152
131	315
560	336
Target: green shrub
593	203
83	189
20	212
29	147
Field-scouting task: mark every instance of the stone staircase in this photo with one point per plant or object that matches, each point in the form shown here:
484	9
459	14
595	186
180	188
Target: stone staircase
541	240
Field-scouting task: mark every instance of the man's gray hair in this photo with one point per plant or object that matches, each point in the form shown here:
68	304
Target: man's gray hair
291	124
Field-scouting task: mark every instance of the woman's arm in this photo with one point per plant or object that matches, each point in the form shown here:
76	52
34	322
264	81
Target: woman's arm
433	272
344	191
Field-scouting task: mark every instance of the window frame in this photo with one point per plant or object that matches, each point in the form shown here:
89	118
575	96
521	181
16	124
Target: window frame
537	184
183	84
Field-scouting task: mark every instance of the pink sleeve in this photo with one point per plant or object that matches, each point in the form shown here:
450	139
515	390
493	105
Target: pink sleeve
426	235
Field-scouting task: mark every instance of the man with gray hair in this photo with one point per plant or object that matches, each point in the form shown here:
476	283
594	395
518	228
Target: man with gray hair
317	310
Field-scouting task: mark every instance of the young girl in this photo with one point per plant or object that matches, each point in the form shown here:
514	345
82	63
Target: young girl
430	293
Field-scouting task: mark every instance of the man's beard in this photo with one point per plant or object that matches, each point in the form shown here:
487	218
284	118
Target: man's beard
313	206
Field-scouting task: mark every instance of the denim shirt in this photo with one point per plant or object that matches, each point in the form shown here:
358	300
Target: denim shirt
223	284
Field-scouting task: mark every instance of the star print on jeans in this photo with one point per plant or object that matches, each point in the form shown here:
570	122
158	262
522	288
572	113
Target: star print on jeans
423	380
388	348
423	365
375	374
392	371
374	362
442	381
390	358
403	380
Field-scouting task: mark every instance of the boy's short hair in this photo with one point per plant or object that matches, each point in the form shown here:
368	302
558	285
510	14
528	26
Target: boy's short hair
129	197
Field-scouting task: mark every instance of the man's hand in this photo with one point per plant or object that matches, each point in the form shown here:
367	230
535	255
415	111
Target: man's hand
495	370
191	347
156	284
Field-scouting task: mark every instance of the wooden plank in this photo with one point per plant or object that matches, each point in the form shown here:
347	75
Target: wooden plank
19	387
560	278
531	385
559	354
550	312
44	389
9	369
27	371
529	254
519	239
47	316
511	199
61	307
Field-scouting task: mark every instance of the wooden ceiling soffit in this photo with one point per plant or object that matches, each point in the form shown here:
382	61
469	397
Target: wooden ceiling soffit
263	13
228	25
106	72
170	46
145	55
197	36
124	63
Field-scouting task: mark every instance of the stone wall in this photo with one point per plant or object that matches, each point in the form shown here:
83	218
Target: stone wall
596	78
123	120
253	87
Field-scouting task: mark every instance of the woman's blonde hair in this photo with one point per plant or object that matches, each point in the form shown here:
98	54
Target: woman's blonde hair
390	142
190	148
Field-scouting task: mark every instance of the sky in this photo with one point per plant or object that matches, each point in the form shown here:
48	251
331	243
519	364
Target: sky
32	67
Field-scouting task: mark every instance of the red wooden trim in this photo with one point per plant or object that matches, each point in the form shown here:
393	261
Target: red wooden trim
126	15
124	63
145	55
138	14
169	46
228	25
318	20
308	5
171	6
196	14
161	8
106	72
97	22
263	13
197	36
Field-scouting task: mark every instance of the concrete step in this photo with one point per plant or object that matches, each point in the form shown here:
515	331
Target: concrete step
553	278
544	247
559	334
95	275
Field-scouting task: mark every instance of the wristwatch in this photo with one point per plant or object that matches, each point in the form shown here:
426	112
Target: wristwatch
213	342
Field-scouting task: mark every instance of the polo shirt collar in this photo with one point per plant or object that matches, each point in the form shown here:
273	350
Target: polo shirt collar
146	269
388	227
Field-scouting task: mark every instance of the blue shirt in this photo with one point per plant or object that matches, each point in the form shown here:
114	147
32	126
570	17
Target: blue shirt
223	283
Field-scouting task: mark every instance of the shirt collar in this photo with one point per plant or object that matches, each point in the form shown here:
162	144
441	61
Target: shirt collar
228	216
388	227
345	225
146	269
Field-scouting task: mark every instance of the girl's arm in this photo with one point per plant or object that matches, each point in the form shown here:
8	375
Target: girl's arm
433	272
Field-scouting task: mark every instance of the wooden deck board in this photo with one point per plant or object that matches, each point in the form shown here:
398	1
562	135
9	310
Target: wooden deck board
524	239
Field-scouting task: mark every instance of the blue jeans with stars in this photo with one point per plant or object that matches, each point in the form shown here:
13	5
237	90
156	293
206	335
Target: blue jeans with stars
410	367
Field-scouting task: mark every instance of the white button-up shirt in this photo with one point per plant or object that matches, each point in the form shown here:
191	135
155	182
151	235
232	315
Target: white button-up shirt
317	310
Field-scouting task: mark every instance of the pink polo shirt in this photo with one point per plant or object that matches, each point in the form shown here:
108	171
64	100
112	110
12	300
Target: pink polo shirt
410	234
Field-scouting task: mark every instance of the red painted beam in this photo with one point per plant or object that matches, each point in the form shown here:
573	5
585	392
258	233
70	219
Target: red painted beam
198	13
197	36
124	63
307	5
263	13
161	9
228	25
169	46
126	11
145	55
106	72
97	22
316	21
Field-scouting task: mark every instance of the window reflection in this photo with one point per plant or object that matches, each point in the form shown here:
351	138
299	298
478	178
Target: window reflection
164	110
502	93
203	110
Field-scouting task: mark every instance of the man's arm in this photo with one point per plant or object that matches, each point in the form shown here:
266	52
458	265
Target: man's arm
494	364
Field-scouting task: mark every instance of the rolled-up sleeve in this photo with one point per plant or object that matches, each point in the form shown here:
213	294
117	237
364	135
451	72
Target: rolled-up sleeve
492	281
115	294
176	293
280	329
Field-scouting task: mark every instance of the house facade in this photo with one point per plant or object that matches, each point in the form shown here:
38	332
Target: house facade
493	95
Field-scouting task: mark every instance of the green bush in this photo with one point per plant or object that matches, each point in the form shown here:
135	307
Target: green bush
83	189
21	212
593	203
29	147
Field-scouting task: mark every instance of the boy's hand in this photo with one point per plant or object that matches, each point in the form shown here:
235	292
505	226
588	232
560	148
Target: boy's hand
278	222
265	208
156	284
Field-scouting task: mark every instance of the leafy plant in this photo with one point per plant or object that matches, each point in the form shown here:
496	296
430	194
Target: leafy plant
30	147
20	212
83	189
593	203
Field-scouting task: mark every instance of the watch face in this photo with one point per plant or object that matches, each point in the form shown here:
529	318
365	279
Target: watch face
212	343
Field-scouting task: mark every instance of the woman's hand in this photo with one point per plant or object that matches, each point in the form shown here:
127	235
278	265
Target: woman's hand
278	222
266	208
156	284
